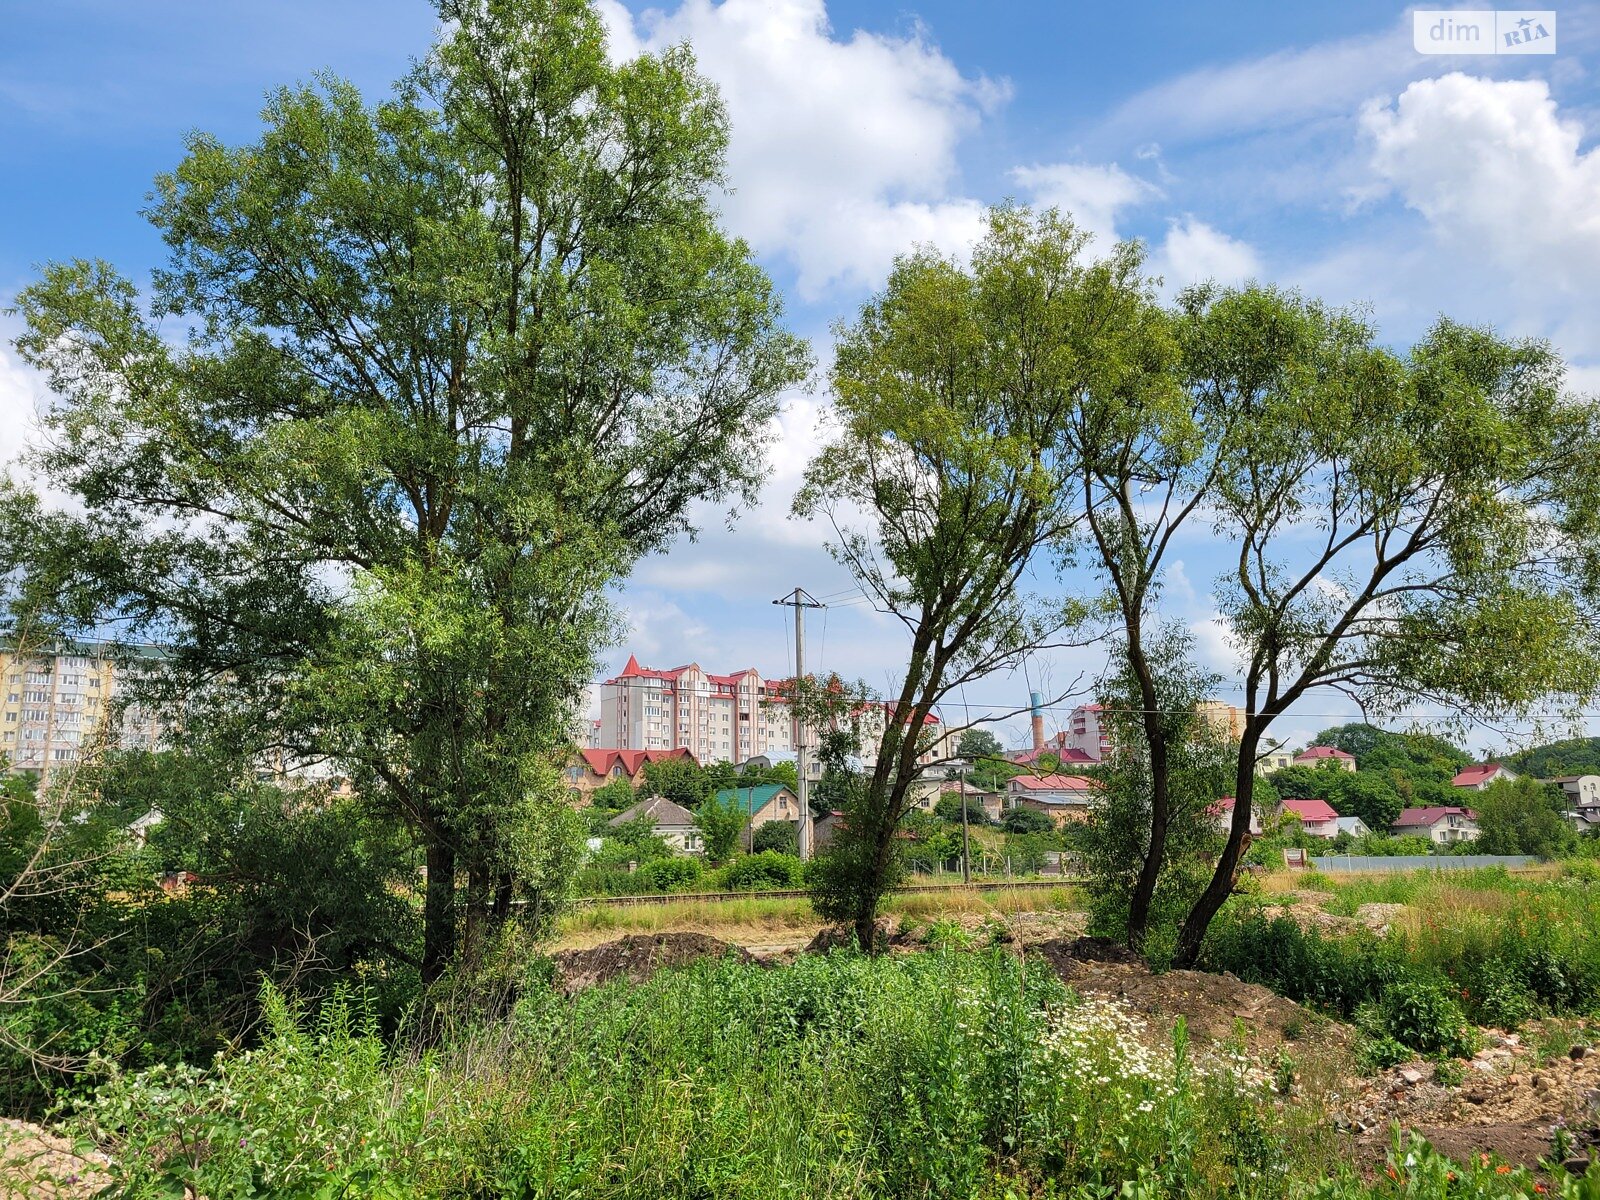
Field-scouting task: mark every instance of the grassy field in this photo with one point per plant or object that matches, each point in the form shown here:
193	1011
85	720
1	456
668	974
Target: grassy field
758	919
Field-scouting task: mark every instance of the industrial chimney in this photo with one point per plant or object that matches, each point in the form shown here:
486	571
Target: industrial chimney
1038	719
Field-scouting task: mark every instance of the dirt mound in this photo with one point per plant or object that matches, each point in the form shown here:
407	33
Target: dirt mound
836	937
1213	1005
1508	1103
36	1163
637	957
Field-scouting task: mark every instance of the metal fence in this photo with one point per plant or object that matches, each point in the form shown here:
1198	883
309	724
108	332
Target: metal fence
1419	862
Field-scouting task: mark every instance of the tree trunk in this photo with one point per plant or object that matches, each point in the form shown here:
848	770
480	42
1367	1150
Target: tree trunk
1160	815
439	912
1225	877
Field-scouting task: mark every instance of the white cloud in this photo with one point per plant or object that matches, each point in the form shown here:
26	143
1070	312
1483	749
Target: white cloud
842	150
20	393
1194	252
1272	91
1506	190
1093	194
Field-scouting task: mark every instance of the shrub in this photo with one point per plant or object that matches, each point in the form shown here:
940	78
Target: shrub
765	871
679	874
1026	820
1421	1014
780	836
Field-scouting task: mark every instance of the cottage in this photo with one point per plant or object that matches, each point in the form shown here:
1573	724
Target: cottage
1316	817
1354	826
1444	825
1319	756
1479	776
1063	797
770	802
594	768
1221	814
673	823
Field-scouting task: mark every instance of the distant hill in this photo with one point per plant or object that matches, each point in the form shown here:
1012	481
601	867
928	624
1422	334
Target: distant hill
1575	756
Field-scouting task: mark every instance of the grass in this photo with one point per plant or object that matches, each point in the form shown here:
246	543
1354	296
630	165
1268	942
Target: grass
756	919
947	1073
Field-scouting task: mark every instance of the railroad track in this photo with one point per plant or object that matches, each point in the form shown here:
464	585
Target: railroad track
794	893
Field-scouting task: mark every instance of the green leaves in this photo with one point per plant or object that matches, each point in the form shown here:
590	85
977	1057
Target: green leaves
433	374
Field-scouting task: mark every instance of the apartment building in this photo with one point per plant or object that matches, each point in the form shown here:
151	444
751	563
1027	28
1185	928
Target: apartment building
717	718
720	718
56	701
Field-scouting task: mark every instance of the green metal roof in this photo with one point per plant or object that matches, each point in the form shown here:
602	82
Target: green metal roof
750	800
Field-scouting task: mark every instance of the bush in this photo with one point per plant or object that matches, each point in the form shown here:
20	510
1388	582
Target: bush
765	871
1424	1016
780	836
1026	820
681	874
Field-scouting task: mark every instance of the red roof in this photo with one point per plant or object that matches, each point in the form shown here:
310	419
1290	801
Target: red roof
1311	811
1421	818
632	670
1318	752
1476	774
1064	755
602	761
1053	783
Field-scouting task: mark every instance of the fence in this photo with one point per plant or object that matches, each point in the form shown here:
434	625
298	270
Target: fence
1420	862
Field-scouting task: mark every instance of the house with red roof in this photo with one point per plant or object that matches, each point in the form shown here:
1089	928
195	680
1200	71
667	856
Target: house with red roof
1222	814
1441	824
593	769
1318	756
1481	775
1317	817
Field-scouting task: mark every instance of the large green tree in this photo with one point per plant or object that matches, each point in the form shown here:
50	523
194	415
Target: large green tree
419	380
944	482
1522	816
1401	528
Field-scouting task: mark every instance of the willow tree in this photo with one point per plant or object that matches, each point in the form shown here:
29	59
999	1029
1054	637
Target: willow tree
419	380
944	482
1401	529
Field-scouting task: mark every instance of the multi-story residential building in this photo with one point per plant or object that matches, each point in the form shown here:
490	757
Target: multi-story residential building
1086	732
56	703
722	718
717	718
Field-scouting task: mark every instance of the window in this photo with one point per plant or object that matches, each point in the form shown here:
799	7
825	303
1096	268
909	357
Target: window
36	697
36	714
63	755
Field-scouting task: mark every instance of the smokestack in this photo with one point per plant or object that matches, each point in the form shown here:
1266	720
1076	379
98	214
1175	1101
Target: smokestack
1038	719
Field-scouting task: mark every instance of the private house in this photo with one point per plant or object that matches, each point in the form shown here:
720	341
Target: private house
1354	826
1274	760
593	768
1481	775
1063	797
1317	817
673	823
992	803
1222	813
1580	791
1056	748
770	802
1444	825
1318	756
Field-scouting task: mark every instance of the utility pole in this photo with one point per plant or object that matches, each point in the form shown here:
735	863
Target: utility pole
800	600
960	768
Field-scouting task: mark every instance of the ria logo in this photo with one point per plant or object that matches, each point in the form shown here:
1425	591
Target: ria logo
1483	31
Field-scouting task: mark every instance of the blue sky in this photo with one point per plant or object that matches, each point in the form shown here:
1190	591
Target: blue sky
1307	145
